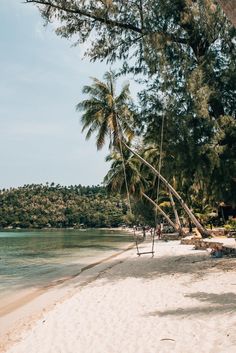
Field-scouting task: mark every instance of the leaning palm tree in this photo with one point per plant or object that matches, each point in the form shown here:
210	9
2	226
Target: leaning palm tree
110	116
137	183
152	153
198	225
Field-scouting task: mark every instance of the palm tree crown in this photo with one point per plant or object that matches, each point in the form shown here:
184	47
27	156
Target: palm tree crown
107	114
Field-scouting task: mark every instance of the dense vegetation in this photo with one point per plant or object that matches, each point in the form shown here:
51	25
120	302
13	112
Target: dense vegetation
39	206
183	52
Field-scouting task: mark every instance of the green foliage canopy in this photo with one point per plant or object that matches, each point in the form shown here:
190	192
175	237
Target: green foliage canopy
184	51
38	206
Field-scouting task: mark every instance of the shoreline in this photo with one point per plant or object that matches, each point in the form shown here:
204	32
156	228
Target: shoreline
32	301
115	304
67	228
12	301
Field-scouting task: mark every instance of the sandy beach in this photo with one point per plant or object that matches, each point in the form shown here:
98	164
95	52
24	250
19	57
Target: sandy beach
180	301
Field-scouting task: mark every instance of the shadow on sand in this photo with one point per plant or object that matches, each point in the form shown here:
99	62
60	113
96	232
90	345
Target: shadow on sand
216	304
149	268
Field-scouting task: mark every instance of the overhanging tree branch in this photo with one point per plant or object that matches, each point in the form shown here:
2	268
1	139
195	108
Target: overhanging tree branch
77	11
106	20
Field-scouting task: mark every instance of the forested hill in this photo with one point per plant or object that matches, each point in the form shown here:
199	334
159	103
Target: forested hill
39	206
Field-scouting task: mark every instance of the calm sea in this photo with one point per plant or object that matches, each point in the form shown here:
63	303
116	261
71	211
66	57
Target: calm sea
37	258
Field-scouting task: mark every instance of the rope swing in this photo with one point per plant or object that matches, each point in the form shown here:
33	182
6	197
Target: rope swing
139	253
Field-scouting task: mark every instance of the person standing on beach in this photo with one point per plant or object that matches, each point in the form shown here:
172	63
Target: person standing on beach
158	231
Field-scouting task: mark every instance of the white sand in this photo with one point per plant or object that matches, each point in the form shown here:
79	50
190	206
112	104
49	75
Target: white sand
180	301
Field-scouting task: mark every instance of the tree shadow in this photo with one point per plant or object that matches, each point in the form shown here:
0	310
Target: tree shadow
149	268
223	303
222	299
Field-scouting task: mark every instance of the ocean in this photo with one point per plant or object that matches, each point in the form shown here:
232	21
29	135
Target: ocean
37	258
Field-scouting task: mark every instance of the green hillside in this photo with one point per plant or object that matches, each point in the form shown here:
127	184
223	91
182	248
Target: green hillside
39	206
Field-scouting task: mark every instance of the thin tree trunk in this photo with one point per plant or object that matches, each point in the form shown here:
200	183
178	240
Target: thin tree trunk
162	212
177	221
201	229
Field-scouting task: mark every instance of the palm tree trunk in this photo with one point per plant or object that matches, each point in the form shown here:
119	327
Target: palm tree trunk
201	229
162	212
177	221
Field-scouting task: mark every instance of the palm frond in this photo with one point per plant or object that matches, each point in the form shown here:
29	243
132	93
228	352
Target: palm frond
105	112
101	136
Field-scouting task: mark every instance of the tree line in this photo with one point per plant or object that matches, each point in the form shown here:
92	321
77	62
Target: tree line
45	206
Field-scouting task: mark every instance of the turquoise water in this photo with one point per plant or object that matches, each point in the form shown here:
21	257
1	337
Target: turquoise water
37	258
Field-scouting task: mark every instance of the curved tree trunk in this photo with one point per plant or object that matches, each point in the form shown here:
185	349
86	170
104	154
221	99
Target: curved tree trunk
177	221
201	229
162	212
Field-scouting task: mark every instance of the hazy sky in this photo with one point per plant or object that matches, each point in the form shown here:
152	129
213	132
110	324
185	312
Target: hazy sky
41	77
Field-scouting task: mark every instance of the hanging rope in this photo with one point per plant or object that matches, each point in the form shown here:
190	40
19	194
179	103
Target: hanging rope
160	159
120	136
128	195
123	164
160	164
121	151
122	157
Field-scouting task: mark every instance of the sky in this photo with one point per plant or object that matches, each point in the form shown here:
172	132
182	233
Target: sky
41	79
